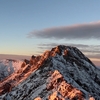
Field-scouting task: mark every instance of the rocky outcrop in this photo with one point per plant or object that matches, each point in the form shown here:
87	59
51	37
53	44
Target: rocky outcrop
8	66
64	73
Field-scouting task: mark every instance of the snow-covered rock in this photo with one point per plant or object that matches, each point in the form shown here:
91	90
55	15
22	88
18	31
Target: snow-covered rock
8	66
63	73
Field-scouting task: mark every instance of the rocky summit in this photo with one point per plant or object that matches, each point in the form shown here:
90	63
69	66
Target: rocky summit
63	73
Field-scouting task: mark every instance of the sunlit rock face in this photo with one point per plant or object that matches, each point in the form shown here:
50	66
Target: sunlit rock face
61	90
63	73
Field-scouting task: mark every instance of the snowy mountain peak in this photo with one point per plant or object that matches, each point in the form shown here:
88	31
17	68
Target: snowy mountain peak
63	73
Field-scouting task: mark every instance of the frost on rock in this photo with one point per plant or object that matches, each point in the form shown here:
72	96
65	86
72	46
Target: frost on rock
64	73
8	66
61	89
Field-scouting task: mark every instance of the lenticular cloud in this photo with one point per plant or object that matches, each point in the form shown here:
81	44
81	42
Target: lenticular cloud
78	31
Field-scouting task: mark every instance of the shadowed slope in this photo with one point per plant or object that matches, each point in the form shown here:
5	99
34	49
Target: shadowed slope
62	73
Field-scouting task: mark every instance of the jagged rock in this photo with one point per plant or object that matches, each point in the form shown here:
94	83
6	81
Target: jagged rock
38	98
8	66
64	73
6	88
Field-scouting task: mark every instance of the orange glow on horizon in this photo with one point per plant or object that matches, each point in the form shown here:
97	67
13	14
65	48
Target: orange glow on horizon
96	61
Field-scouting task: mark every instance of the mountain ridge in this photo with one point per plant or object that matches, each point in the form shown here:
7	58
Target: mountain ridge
75	70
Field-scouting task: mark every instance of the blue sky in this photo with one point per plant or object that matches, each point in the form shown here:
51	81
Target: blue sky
28	25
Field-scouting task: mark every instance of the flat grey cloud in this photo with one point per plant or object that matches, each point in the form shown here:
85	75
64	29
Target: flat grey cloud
83	47
92	51
78	31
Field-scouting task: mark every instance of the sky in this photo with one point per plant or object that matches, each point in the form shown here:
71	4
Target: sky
29	27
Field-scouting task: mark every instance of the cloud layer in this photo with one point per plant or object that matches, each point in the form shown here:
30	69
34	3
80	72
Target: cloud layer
92	51
78	31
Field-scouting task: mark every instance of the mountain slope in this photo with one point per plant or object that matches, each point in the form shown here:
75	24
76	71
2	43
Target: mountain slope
62	73
8	66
